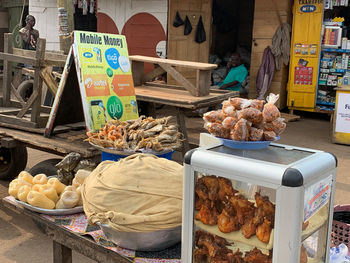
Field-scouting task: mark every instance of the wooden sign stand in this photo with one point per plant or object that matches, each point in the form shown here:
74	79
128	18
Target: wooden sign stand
67	107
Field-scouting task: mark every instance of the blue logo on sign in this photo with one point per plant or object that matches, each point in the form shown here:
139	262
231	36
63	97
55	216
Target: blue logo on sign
88	55
112	58
308	8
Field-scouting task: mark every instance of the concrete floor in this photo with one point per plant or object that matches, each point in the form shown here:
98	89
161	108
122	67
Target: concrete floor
21	241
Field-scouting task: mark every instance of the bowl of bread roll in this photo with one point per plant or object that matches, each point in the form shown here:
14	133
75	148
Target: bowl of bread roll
47	195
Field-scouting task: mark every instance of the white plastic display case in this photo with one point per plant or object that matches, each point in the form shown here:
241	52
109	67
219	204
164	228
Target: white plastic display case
299	181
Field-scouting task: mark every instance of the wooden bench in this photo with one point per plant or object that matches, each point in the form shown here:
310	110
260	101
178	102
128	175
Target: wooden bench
201	87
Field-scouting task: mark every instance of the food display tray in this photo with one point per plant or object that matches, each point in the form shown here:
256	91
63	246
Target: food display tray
127	153
246	145
143	241
57	212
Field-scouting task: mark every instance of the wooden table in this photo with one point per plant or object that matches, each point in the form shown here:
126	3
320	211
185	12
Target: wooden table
178	97
64	241
201	87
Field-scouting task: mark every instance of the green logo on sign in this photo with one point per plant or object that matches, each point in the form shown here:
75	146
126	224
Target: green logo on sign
109	72
115	107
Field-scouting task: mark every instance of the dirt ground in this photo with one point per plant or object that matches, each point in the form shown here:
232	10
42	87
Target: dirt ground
22	241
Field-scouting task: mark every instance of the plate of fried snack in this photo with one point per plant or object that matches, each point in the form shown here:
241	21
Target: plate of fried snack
47	195
246	124
144	134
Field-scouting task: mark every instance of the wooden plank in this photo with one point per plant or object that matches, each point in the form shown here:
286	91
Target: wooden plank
38	82
137	68
61	253
18	59
49	80
14	120
29	103
17	95
49	55
56	145
180	79
179	98
7	78
179	63
203	82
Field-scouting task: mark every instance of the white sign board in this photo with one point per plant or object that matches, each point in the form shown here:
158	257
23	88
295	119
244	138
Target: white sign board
342	122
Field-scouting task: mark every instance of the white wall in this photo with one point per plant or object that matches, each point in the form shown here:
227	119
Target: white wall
121	10
46	15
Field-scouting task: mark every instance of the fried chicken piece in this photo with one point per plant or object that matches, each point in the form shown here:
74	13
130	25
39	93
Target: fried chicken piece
200	255
201	189
227	220
212	183
225	189
263	231
208	214
256	256
244	208
249	228
267	206
239	103
236	257
220	205
197	202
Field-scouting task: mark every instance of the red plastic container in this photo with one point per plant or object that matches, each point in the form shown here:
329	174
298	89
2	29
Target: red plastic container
340	230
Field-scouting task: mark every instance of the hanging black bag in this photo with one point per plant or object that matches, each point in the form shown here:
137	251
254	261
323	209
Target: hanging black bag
178	20
200	32
188	26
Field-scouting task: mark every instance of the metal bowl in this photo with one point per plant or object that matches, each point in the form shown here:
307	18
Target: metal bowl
144	241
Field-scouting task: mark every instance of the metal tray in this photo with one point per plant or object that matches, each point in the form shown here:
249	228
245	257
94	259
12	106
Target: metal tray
147	241
57	212
129	152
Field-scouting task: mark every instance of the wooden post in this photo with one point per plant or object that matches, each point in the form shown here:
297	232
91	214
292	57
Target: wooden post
38	82
7	78
66	41
180	116
61	253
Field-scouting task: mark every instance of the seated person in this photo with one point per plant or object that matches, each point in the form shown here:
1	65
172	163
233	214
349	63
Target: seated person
235	74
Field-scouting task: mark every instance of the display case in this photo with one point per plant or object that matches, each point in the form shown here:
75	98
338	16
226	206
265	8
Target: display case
268	205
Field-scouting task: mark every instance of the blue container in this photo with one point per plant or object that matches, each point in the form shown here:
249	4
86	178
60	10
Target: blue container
115	157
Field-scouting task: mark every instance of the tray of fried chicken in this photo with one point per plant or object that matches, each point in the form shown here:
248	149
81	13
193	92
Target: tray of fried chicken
214	249
144	134
223	211
243	123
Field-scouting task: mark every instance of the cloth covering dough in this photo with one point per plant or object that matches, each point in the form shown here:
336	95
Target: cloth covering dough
141	193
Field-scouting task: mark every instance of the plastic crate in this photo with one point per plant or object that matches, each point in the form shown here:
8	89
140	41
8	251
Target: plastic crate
341	230
115	157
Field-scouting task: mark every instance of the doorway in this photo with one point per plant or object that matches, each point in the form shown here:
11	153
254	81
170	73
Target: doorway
232	31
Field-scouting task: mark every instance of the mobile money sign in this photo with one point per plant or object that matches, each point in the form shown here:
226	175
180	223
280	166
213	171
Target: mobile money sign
105	79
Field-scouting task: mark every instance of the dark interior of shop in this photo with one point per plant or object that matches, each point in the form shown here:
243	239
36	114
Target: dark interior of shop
232	31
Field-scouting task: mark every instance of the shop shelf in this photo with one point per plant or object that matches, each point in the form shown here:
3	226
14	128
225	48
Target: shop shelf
320	102
338	50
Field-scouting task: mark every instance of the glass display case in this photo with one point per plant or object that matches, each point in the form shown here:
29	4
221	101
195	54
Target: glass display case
267	205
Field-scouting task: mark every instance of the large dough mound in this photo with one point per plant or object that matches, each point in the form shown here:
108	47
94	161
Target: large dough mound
140	193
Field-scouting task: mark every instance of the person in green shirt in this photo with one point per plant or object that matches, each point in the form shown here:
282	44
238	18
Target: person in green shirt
235	74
